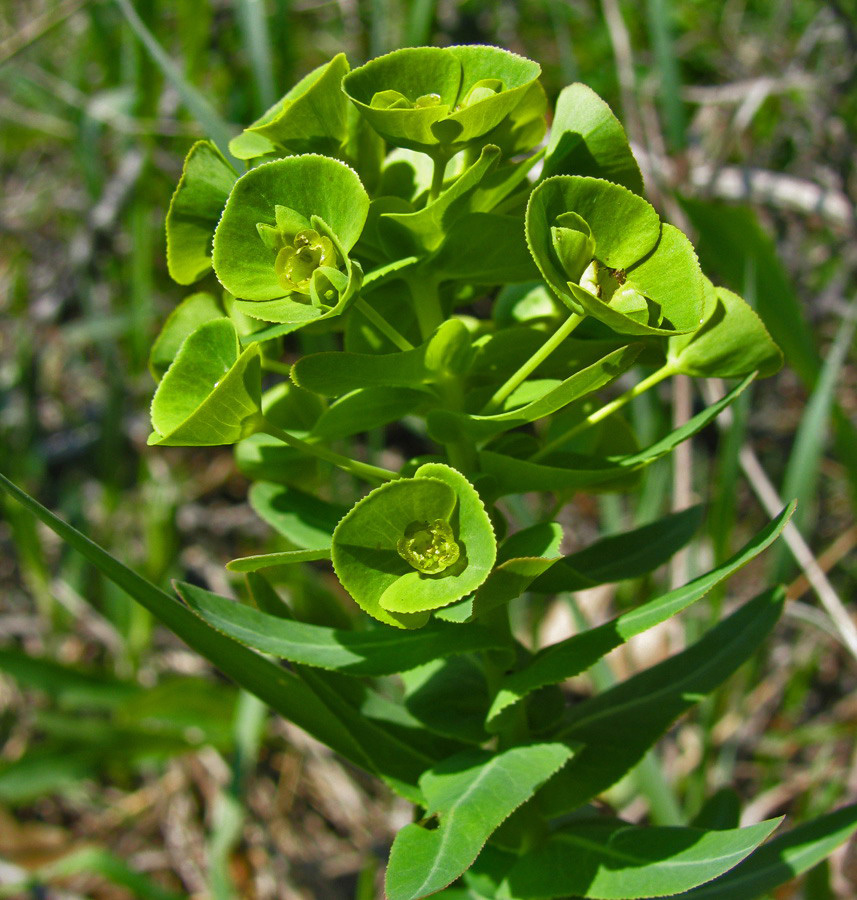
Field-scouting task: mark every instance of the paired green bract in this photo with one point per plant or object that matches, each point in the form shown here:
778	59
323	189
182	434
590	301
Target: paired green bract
414	545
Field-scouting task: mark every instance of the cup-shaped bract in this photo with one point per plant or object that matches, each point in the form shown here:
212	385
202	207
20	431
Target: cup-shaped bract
604	252
195	209
285	235
414	545
211	394
732	343
440	100
310	118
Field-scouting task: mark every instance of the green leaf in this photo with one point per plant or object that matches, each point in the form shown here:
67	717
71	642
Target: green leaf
566	470
195	209
618	726
587	139
471	794
732	342
193	311
365	409
380	651
261	457
621	556
270	560
581	651
437	100
211	394
421	232
371	558
305	520
612	860
310	118
328	720
486	248
785	857
304	187
446	425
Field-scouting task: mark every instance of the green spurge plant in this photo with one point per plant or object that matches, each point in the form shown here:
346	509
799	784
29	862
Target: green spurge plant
394	256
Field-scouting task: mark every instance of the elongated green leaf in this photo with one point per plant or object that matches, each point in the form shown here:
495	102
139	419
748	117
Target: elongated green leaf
269	560
283	691
365	409
618	726
195	210
421	232
445	425
471	794
332	374
620	556
381	651
783	858
587	139
613	860
517	476
304	519
212	393
576	654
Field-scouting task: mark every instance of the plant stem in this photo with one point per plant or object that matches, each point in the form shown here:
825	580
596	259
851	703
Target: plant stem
274	365
607	410
423	290
383	325
437	177
532	363
355	467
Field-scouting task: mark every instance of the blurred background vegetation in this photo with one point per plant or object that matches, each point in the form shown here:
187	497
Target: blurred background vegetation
127	767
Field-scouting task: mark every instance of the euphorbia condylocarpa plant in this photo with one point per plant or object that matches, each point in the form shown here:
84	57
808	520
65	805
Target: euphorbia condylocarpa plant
406	251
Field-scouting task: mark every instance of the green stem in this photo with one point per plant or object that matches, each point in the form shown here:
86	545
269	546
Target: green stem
426	301
274	365
437	177
355	467
460	452
607	410
383	325
532	363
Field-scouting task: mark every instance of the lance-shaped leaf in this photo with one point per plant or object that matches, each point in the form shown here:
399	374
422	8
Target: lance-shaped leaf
375	652
446	425
272	560
192	312
618	726
212	392
587	139
470	794
198	201
440	100
310	118
581	651
332	374
418	233
414	545
566	470
602	249
732	342
785	857
617	557
274	205
304	519
613	860
365	409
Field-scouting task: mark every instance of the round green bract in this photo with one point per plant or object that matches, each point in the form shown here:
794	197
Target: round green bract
366	545
309	186
440	100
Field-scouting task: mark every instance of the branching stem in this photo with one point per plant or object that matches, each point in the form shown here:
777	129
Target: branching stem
383	325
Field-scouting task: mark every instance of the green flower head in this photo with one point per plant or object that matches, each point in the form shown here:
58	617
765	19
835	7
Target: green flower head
282	244
440	100
605	253
414	545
